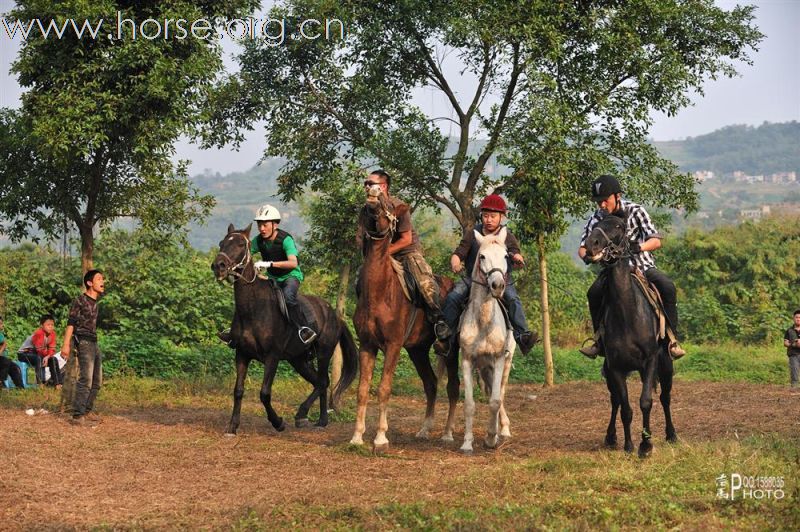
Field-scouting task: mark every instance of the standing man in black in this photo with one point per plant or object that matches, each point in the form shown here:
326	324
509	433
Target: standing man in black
82	328
791	341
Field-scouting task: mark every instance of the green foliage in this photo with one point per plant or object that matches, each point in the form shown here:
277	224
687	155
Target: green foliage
93	140
736	283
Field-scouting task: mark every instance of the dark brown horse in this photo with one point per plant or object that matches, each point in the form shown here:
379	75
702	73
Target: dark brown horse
259	331
386	320
630	337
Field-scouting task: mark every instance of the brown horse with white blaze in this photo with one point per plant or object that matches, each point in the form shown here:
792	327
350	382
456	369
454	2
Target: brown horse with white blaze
386	320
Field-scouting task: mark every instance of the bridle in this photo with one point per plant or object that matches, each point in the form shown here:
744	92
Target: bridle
613	252
390	229
237	271
476	277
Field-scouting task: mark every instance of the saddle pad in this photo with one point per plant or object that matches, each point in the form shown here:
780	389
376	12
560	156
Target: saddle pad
654	298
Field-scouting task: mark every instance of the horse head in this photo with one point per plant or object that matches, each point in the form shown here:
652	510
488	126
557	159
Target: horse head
380	215
492	264
234	254
607	242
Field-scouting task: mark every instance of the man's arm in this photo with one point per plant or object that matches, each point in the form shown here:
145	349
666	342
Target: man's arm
65	347
403	242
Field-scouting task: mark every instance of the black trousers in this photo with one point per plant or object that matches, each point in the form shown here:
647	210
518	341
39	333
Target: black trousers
663	283
9	369
33	359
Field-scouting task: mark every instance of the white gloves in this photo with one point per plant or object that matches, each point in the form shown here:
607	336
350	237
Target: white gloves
263	265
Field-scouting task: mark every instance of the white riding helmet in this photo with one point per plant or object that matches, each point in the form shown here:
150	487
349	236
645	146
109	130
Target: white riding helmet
267	213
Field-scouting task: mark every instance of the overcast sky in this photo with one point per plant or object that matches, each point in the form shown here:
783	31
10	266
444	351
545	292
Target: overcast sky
767	91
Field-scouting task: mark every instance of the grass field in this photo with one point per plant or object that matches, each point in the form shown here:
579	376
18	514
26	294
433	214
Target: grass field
159	459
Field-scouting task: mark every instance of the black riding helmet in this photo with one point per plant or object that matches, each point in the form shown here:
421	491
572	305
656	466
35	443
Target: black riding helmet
604	186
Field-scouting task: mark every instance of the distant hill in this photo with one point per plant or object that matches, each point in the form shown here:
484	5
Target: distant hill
238	197
762	150
765	149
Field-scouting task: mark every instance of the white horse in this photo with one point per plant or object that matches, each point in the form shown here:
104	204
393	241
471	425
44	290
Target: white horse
487	344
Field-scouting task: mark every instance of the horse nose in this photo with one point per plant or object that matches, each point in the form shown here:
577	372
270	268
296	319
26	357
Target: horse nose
498	285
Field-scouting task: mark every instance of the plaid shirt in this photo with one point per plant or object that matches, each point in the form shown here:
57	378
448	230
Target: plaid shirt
640	228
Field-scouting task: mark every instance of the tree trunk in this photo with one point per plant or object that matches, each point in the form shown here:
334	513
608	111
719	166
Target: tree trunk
341	299
87	247
548	352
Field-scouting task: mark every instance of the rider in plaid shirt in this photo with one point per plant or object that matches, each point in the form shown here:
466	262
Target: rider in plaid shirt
644	238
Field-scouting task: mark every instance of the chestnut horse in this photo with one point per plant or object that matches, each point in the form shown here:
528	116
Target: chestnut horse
259	331
386	320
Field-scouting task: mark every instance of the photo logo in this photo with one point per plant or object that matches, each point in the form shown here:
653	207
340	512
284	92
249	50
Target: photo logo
738	486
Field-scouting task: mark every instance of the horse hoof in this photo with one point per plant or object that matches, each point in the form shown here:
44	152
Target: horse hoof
467	452
301	423
423	434
490	443
382	448
645	450
281	426
628	447
321	424
672	438
230	434
447	438
610	443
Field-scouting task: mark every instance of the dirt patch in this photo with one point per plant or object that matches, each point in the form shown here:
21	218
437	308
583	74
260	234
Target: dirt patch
175	468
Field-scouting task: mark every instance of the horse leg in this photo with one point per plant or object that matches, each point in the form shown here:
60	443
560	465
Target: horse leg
611	431
469	403
303	367
665	373
620	385
270	367
238	392
452	392
391	358
505	423
495	402
646	405
429	383
366	367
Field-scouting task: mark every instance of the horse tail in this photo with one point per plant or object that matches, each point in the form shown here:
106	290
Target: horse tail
349	363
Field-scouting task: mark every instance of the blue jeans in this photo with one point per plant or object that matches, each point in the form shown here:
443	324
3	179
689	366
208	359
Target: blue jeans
90	361
457	299
300	314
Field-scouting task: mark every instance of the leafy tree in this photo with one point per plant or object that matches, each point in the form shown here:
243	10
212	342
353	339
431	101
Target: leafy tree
590	64
330	241
94	137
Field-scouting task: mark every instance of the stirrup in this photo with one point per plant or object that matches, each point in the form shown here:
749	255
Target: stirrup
442	330
676	351
592	351
306	334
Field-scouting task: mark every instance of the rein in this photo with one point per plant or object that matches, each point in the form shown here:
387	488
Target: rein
389	231
235	270
613	252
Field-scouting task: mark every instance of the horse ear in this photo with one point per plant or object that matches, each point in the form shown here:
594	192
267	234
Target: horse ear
231	229
247	229
479	237
501	236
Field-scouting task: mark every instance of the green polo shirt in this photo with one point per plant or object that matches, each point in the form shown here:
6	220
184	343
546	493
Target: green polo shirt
289	248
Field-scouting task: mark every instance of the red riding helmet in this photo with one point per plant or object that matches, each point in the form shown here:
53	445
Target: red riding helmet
493	202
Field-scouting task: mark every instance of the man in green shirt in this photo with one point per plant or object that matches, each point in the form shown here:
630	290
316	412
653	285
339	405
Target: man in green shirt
279	261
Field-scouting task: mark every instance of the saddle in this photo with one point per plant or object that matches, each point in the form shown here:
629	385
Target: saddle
409	285
650	292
